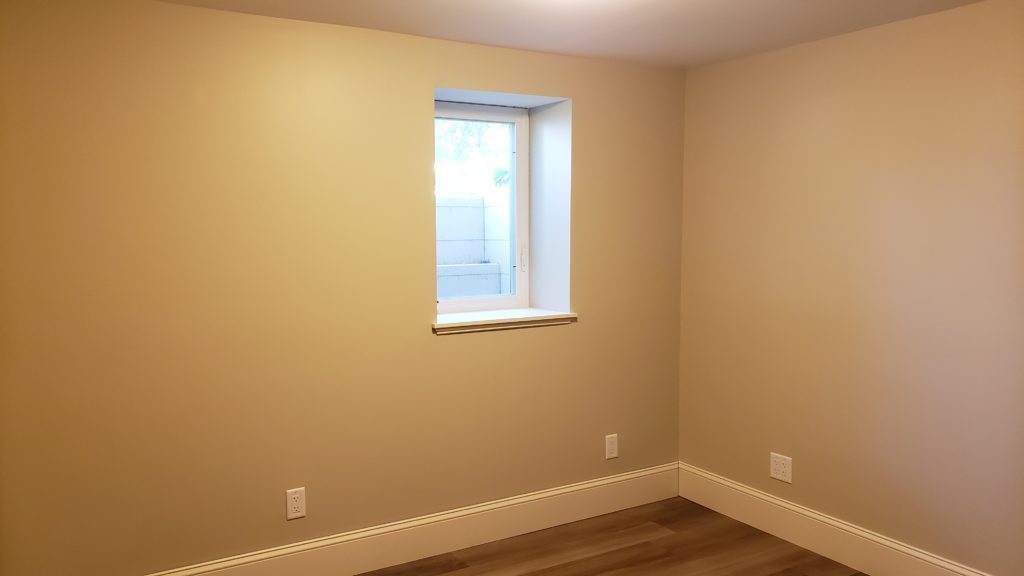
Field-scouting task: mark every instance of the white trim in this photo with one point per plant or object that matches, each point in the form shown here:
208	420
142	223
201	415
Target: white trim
482	112
488	320
857	547
520	212
494	98
550	206
398	542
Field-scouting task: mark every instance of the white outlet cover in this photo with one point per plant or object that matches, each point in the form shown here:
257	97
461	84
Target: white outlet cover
295	500
781	467
611	446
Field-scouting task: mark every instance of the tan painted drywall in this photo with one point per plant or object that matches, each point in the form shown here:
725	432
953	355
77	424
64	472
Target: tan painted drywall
217	283
853	278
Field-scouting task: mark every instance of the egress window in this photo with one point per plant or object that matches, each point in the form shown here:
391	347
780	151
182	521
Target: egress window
502	189
481	189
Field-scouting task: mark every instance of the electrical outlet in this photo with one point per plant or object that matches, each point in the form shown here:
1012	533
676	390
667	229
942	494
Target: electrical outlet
611	446
781	467
296	501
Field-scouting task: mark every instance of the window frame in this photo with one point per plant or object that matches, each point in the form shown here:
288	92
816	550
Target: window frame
520	188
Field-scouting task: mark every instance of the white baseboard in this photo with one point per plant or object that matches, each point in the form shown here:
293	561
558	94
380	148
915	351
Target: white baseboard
398	542
857	547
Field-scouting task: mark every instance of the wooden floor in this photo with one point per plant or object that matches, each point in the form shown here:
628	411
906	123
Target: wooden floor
673	537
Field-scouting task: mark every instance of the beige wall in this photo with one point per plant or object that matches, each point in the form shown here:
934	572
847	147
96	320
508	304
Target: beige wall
853	278
216	244
217	283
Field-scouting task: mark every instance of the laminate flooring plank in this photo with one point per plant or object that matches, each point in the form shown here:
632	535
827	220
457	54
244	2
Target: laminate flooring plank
631	556
818	566
439	565
749	553
555	552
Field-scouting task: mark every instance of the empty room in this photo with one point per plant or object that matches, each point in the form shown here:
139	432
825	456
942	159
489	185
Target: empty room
512	287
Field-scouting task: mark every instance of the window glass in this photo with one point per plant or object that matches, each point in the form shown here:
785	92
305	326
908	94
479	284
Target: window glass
474	188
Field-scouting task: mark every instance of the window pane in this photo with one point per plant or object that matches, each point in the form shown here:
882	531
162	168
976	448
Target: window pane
474	185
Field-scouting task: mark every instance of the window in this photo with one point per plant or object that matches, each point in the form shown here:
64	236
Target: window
481	190
502	175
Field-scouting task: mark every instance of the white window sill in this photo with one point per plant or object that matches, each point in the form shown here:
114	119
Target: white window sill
462	322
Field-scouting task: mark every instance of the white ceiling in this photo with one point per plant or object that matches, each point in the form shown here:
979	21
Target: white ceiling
666	32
